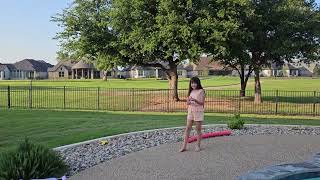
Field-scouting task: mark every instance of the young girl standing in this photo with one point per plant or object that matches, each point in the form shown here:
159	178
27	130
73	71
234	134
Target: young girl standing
195	102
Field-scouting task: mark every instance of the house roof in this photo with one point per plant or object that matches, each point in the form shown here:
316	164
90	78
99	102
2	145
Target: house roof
126	68
83	65
181	67
2	67
189	67
292	67
205	63
312	66
67	64
135	67
32	65
9	66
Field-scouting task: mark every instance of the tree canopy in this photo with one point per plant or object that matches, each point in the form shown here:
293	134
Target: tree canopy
158	33
272	32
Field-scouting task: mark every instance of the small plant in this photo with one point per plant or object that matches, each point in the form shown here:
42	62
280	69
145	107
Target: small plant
180	139
236	122
31	161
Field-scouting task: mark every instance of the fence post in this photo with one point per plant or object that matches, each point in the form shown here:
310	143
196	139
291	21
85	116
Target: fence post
30	97
9	98
239	103
314	102
168	99
277	101
64	97
98	99
132	99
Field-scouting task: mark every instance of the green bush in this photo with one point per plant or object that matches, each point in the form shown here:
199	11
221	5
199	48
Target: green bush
31	161
236	122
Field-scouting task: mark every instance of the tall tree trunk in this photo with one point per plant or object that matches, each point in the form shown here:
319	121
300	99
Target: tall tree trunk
244	81
173	83
105	78
114	75
257	87
243	87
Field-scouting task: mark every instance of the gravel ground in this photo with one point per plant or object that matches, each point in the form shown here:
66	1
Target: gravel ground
84	156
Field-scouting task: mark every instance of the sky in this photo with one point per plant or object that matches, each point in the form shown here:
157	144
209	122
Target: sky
26	30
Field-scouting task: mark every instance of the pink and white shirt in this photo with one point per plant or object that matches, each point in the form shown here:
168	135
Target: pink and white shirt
199	95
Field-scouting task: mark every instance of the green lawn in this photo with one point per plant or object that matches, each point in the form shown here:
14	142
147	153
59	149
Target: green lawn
298	84
119	83
55	128
295	84
223	98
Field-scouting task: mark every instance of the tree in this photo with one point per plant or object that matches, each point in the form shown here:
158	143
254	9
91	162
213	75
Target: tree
102	62
86	33
282	30
316	70
157	33
235	53
273	31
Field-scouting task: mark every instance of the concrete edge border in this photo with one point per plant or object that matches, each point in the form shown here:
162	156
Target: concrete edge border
159	129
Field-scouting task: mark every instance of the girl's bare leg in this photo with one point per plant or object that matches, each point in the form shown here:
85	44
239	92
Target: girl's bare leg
186	135
198	129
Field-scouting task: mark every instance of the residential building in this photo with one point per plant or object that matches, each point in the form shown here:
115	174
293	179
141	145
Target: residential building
25	69
78	70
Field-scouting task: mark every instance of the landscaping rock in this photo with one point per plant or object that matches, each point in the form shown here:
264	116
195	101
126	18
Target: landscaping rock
84	156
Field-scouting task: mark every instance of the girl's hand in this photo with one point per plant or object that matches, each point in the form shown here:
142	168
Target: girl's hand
188	100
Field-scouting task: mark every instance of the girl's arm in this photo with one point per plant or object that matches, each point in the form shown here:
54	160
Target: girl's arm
202	98
188	101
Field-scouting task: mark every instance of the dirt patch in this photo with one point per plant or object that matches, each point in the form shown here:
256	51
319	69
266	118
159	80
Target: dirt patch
212	104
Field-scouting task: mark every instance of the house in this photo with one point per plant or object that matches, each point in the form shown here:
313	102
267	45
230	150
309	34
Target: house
5	71
309	69
83	70
30	69
182	71
316	70
278	70
148	72
206	67
62	70
140	72
292	69
72	69
25	69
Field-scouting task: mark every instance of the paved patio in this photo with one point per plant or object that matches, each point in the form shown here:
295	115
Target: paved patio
222	158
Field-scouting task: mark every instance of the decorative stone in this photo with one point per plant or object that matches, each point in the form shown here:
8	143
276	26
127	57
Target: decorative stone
84	156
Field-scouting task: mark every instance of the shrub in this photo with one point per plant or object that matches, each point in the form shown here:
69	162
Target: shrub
31	161
236	122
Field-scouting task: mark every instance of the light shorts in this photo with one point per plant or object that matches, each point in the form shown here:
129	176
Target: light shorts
195	115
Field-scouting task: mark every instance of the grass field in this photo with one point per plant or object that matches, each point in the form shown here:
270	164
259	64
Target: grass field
119	83
222	96
56	128
224	101
298	84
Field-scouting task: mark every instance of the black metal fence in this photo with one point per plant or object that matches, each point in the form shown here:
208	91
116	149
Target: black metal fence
156	100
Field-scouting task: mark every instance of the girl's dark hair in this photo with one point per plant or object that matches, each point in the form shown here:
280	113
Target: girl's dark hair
194	80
